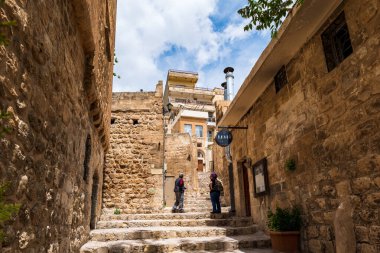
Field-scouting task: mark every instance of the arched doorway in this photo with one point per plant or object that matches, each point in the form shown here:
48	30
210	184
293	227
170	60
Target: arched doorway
201	158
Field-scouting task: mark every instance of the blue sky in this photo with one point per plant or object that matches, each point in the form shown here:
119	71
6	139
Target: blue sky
204	36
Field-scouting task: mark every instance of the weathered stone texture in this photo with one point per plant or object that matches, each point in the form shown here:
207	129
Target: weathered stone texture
135	154
55	78
329	123
219	155
181	156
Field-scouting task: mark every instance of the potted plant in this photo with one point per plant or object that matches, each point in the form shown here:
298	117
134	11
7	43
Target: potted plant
284	226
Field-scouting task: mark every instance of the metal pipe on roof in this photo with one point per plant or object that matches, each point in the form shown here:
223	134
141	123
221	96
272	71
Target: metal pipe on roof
225	94
230	82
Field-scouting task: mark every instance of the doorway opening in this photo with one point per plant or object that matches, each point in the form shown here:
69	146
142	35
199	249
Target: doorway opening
244	186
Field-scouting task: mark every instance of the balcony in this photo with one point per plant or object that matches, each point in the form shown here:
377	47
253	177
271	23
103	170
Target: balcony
211	121
201	93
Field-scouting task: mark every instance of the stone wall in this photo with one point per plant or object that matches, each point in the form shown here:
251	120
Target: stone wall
329	123
56	78
133	175
181	156
219	154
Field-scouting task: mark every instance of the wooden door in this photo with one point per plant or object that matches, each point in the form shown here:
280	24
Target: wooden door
246	192
200	165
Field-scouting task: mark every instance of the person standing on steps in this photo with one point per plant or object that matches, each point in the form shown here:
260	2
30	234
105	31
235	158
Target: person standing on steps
179	190
216	188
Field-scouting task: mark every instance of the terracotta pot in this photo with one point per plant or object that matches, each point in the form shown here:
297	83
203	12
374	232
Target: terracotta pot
286	242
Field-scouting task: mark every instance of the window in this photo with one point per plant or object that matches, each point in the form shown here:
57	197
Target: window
199	131
336	42
135	121
113	121
209	136
280	79
188	129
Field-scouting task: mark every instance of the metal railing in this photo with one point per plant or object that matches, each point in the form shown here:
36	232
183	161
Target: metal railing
190	101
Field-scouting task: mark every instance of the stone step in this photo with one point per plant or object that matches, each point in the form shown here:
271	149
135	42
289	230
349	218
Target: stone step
165	216
232	222
114	234
234	251
195	209
216	244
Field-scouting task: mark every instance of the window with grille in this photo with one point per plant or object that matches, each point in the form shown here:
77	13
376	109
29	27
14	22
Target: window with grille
280	79
336	42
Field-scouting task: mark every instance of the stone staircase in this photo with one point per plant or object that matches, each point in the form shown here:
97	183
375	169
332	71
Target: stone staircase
196	230
176	232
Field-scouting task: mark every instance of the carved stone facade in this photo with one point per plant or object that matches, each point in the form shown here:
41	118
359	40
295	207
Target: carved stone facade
328	122
56	80
133	175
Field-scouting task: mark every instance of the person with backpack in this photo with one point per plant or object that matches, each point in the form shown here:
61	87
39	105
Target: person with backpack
179	190
216	189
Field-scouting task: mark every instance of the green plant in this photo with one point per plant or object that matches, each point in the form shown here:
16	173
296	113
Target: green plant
4	128
290	165
117	211
288	219
3	39
6	210
266	14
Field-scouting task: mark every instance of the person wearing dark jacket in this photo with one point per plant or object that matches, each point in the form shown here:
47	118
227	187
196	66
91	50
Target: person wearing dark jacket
179	190
216	187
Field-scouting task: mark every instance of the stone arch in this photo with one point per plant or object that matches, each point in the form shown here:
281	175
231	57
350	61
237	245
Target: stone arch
201	159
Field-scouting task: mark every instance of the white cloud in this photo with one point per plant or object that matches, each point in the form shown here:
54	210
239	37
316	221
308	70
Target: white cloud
147	32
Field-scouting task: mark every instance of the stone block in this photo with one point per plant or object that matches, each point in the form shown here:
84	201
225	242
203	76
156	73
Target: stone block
312	232
362	234
315	246
373	199
374	234
361	185
329	191
368	9
377	182
343	188
366	248
372	107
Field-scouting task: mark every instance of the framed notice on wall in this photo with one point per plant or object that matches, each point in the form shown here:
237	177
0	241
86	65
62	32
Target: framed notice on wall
260	177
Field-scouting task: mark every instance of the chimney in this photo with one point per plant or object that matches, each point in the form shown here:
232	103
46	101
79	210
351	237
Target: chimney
230	82
224	85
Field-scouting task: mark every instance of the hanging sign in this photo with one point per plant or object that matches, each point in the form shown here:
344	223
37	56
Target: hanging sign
223	138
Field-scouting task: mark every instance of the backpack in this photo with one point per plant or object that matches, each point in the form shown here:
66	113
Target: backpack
179	185
219	186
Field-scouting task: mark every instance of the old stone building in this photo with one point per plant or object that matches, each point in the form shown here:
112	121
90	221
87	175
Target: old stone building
133	181
180	156
193	112
313	97
55	80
